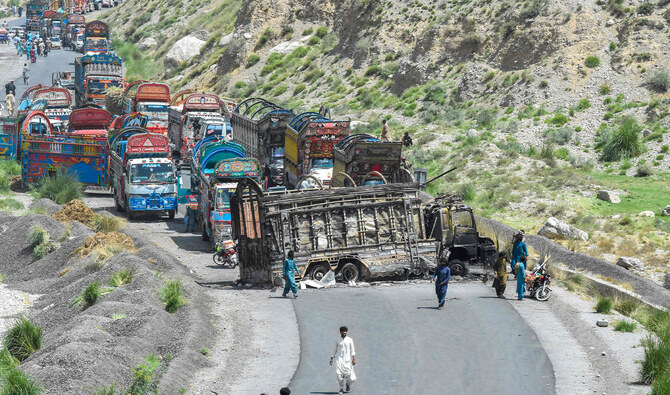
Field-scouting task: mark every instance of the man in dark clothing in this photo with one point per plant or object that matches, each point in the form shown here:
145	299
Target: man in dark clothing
441	277
10	88
406	140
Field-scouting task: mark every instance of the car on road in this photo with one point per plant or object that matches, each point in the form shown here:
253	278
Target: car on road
78	44
55	43
19	32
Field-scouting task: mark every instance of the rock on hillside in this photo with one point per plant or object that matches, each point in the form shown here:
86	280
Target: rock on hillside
181	51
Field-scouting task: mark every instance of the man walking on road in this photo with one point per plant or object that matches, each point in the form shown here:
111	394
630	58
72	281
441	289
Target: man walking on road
345	359
441	277
10	92
26	73
500	273
289	275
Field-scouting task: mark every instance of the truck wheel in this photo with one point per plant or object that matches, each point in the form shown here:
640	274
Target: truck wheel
350	272
171	213
458	268
131	215
317	272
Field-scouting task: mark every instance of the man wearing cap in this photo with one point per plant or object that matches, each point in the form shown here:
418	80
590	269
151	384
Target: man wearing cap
441	277
10	92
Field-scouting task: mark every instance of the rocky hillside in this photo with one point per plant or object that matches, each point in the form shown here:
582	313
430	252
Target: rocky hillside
540	103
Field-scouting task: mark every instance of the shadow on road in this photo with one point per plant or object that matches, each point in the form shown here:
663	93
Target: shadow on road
427	308
191	242
221	285
324	393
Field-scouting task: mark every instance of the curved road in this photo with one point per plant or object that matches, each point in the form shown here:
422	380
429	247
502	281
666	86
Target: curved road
477	345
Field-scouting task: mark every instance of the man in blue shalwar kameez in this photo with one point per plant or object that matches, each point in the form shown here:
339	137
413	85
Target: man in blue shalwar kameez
519	249
289	275
441	277
521	277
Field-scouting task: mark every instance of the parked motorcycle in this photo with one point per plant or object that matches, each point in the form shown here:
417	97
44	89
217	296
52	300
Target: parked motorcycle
539	283
226	254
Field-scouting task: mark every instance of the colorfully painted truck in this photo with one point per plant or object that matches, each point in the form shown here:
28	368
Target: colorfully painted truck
75	25
142	176
217	166
260	126
44	153
93	75
96	38
34	10
308	150
8	138
185	119
364	159
90	123
59	104
151	99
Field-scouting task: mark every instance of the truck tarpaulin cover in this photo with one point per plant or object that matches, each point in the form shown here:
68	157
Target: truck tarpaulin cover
202	101
90	118
147	143
76	19
153	92
55	97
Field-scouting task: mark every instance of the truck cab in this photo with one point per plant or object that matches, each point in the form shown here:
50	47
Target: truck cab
214	127
454	225
157	112
150	185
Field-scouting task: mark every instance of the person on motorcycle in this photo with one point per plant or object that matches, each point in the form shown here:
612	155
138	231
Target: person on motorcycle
500	273
10	92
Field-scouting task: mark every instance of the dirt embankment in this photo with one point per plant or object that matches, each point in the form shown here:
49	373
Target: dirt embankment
85	349
648	289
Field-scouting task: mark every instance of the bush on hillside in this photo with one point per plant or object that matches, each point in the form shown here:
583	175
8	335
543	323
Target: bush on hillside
660	80
592	61
61	188
623	143
558	136
23	339
252	60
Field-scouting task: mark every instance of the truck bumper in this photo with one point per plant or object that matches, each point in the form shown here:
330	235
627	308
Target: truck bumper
152	204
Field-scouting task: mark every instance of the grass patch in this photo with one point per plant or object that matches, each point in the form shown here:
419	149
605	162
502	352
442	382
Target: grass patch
16	382
106	391
10	205
592	61
172	294
106	224
642	193
90	295
23	339
144	377
118	316
576	283
252	60
122	277
625	326
137	65
39	241
623	143
604	305
61	188
205	351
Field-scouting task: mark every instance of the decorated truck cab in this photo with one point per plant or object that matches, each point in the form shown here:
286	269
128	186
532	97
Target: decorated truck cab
151	99
142	175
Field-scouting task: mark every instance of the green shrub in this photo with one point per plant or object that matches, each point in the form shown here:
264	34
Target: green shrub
264	38
106	391
106	223
467	192
15	382
37	235
372	71
562	153
122	277
592	61
172	294
252	60
625	326
583	104
23	339
558	136
558	119
643	170
314	40
605	89
279	90
612	46
642	56
299	88
144	377
656	362
604	305
623	143
547	152
661	385
321	31
61	188
645	8
91	294
664	149
544	84
308	31
7	361
660	80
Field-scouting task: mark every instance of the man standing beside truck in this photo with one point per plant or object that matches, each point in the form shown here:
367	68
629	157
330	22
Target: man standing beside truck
289	276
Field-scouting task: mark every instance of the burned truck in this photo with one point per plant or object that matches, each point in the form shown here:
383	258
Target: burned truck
367	232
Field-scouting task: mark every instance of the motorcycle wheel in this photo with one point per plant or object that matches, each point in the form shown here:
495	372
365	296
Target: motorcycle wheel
219	259
543	293
234	261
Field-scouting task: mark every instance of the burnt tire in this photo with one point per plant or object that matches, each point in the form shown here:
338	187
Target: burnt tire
458	268
350	272
317	272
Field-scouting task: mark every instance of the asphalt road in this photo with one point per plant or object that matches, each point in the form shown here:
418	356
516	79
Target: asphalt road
477	345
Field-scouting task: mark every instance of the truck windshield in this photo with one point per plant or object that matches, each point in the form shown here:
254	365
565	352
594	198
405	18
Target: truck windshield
222	199
463	219
214	129
143	173
157	114
99	86
323	163
96	44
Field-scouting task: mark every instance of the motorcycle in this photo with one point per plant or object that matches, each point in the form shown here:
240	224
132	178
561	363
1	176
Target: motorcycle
538	283
226	254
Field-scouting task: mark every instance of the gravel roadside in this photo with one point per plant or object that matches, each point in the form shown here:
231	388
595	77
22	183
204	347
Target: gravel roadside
247	355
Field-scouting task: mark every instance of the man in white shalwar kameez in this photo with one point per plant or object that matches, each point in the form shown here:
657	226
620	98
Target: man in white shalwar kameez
345	359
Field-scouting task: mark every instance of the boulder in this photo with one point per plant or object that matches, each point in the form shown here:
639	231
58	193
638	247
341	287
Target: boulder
147	43
181	51
247	36
647	213
666	280
225	40
602	323
588	194
646	133
555	229
609	196
472	133
286	47
666	211
200	35
610	22
630	263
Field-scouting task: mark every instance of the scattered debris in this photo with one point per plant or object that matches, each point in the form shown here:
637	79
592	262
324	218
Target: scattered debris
100	239
312	284
75	210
